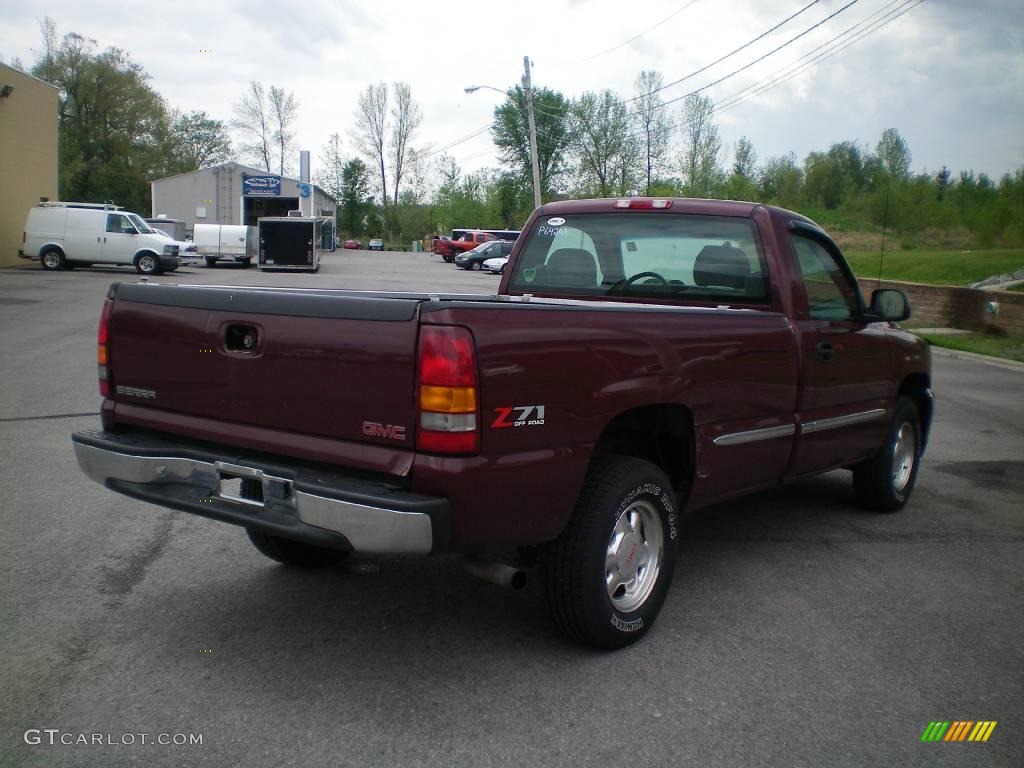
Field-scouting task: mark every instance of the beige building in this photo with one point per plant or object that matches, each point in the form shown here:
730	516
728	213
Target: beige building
28	153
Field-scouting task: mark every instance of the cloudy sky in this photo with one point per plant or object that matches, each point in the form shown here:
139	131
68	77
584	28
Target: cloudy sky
948	74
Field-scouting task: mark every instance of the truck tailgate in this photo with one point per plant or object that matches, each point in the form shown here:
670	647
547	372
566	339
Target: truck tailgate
333	364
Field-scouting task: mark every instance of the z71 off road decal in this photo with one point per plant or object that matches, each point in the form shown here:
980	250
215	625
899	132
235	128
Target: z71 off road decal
519	416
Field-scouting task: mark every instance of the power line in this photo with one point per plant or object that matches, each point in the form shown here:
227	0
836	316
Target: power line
758	59
904	6
723	58
455	143
750	92
627	42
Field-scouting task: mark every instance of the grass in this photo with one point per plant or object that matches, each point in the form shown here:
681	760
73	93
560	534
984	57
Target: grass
1009	347
937	267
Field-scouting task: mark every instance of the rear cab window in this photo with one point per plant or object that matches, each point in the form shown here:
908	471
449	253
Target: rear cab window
716	259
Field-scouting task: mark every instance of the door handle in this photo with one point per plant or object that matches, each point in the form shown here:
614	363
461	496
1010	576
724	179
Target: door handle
825	351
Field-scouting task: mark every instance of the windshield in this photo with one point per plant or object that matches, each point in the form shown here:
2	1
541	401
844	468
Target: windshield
712	258
140	224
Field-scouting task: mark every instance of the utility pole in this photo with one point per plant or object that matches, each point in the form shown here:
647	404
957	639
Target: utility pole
534	161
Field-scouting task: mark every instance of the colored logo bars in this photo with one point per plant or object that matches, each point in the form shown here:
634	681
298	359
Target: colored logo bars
958	730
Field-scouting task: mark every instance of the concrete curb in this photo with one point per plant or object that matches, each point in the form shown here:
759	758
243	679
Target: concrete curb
998	362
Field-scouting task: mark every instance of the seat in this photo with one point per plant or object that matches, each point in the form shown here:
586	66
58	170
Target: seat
571	268
721	265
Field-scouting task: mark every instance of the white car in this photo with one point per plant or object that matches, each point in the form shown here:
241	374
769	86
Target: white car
186	249
496	265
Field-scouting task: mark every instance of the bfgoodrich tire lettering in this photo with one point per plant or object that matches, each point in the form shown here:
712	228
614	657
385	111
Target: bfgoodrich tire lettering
606	576
884	483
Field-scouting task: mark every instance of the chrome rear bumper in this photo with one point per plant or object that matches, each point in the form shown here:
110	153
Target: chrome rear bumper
289	501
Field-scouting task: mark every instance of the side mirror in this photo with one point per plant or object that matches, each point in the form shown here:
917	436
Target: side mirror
890	304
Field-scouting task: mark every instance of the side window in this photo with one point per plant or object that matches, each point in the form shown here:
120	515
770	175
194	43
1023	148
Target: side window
120	224
830	296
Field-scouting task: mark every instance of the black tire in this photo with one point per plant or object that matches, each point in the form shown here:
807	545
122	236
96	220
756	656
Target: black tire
625	502
294	553
476	266
246	263
210	262
884	483
52	259
147	263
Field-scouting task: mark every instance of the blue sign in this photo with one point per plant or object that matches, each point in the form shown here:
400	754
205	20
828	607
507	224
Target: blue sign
260	186
303	189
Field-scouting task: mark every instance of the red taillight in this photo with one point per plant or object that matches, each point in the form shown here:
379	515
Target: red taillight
103	349
446	391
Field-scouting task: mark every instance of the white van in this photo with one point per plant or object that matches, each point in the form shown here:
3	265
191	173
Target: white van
66	235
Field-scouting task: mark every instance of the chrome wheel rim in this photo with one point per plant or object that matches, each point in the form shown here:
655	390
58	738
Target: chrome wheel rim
147	263
904	453
634	556
51	259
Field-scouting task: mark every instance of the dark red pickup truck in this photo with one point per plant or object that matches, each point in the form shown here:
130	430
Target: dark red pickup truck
642	358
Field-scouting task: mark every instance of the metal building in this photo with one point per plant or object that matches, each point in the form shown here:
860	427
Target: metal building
233	193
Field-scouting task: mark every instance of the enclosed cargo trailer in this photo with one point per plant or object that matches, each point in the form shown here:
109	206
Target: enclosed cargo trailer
290	243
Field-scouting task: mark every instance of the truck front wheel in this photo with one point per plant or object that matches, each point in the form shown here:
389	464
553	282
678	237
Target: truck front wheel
606	575
294	553
884	483
147	264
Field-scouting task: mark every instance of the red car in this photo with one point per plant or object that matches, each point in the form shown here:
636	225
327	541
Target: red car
352	244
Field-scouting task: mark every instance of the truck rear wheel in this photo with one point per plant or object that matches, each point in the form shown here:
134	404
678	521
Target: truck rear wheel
884	483
606	576
294	553
52	258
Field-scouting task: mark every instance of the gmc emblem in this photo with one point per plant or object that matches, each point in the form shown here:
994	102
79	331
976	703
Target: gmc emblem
387	431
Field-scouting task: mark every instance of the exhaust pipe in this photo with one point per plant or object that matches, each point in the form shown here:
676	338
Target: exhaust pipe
497	573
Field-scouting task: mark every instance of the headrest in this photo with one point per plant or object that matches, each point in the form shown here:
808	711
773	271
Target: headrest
572	268
722	265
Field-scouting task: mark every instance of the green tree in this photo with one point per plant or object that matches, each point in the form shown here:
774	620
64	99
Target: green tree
745	160
511	135
701	146
356	204
653	123
330	170
197	141
894	154
113	127
607	153
780	181
833	177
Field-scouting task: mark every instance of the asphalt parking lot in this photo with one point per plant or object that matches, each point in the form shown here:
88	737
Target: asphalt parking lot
799	631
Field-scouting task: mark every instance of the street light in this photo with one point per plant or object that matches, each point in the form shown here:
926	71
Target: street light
528	90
